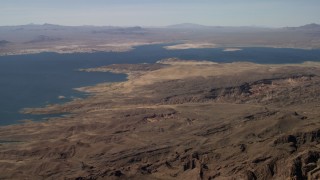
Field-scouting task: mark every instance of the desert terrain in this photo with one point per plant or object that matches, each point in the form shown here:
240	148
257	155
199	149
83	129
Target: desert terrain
33	38
177	119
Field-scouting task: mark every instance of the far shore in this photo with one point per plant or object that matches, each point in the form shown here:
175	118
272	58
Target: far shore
232	49
69	49
191	46
125	47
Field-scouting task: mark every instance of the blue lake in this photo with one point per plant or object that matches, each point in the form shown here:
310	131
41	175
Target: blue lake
36	80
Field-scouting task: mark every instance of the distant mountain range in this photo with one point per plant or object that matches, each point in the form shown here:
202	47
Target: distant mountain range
39	37
177	26
312	26
191	26
199	26
188	26
120	30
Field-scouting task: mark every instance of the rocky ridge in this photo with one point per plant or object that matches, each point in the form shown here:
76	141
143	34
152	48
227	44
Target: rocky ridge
177	120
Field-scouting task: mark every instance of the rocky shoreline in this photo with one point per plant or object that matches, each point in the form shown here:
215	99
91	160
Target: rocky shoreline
177	119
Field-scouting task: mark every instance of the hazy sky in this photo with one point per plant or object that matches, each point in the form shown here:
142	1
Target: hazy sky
161	12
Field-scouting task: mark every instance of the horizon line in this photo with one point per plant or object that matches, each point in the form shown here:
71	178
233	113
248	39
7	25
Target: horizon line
155	26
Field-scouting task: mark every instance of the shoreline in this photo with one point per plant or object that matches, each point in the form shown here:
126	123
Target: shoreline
92	90
133	75
171	113
111	47
124	47
85	89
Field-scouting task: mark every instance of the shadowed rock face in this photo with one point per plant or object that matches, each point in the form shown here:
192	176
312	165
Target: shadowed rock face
178	120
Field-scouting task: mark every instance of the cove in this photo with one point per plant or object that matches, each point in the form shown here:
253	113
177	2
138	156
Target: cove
36	80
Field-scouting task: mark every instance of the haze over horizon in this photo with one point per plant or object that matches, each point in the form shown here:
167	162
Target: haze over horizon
272	13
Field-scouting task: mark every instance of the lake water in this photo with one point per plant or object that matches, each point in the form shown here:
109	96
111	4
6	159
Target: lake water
39	79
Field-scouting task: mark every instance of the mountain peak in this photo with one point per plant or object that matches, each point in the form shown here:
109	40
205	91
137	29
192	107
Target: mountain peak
310	26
